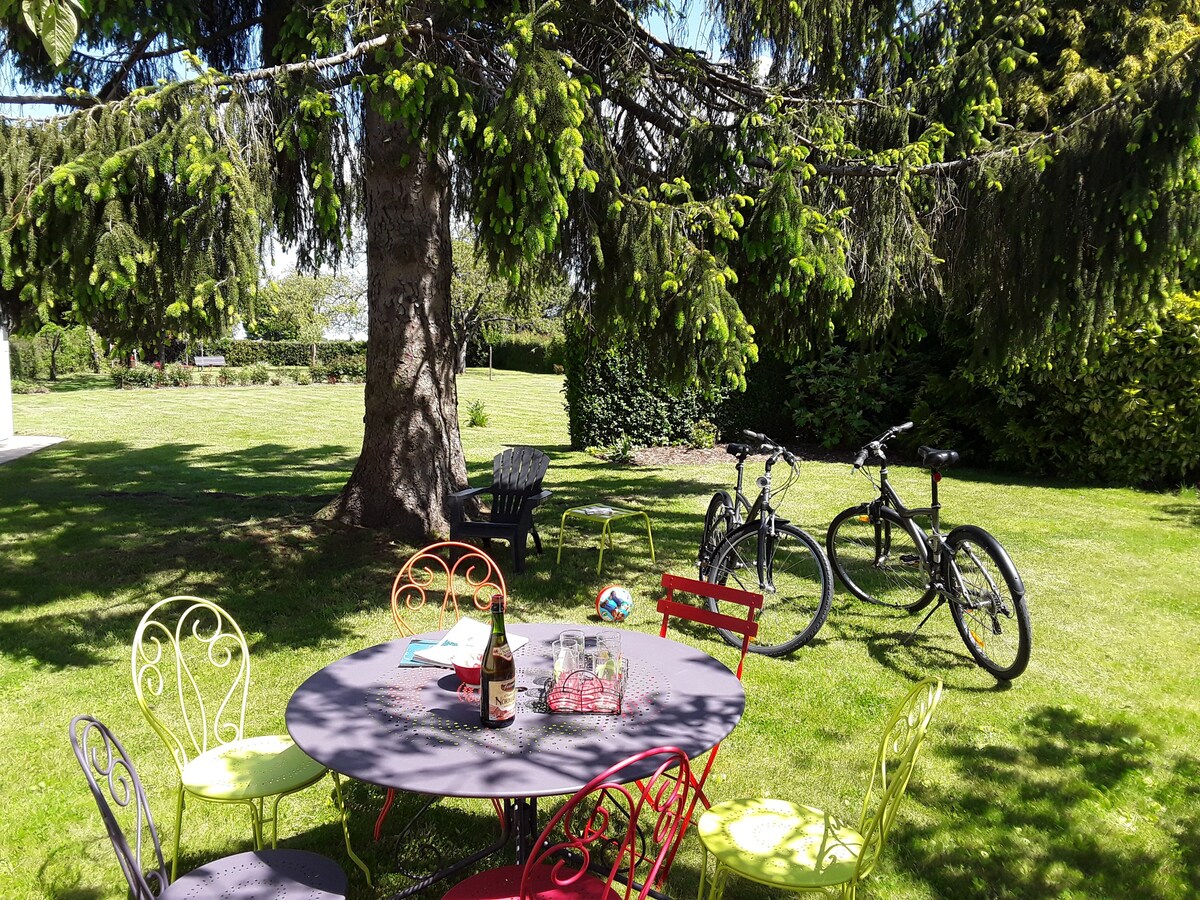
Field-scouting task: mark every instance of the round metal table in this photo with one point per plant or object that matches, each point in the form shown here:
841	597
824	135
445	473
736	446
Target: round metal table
408	728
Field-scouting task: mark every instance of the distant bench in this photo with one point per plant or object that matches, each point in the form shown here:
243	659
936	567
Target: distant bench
209	361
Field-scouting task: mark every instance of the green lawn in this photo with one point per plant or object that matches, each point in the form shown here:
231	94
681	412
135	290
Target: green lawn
1080	780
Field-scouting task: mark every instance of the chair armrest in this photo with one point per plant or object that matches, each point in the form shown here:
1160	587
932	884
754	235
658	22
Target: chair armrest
458	502
540	498
467	493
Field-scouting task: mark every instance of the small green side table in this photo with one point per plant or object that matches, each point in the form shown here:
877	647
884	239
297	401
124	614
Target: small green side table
607	515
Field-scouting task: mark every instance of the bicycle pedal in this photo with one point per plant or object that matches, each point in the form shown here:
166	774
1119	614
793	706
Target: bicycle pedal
911	560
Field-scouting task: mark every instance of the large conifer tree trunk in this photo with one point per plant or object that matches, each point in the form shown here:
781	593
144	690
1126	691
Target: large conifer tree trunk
412	453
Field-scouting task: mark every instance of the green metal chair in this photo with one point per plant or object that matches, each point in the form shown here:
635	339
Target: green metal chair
805	849
199	649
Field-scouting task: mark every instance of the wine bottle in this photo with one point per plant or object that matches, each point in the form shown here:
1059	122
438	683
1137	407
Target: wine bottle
497	675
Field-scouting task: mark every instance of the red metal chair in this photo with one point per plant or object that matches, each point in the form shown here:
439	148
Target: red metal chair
467	572
747	628
609	841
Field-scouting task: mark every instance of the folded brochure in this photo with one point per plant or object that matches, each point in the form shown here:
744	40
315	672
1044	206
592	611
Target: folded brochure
467	637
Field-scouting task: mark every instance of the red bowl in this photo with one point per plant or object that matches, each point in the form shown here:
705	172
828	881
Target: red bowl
467	674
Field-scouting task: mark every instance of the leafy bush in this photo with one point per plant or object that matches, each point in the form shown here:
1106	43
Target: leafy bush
258	374
303	376
703	435
843	398
20	386
135	376
1129	415
30	355
477	416
345	367
280	353
240	376
206	377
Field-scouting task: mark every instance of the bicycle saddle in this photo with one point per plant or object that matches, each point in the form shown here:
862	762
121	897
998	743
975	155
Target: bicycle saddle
738	449
937	459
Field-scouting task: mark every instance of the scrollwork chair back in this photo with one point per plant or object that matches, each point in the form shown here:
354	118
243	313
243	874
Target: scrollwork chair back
118	791
634	828
191	675
467	575
894	763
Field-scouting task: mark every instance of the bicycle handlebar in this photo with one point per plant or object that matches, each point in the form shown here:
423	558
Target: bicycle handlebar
876	445
769	446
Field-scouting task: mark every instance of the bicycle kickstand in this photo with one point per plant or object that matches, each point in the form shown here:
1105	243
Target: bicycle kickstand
913	635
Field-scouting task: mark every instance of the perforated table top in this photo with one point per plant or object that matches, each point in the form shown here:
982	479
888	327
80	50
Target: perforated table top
408	728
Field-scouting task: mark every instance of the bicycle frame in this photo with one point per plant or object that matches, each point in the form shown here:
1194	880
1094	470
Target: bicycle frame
934	541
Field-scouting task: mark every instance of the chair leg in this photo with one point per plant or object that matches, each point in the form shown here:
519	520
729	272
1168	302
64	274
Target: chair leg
518	545
537	538
387	805
256	822
178	832
345	817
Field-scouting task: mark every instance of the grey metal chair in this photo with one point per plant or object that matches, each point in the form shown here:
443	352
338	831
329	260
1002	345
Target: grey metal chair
516	491
263	873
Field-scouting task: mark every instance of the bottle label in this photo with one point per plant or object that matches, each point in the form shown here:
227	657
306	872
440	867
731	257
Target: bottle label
501	699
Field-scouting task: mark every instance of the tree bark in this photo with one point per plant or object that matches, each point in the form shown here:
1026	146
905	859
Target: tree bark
412	452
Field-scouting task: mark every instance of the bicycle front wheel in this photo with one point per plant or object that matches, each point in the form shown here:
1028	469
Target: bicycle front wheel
987	601
879	558
716	526
797	592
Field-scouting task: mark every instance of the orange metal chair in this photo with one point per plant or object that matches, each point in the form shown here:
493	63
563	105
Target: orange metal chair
468	572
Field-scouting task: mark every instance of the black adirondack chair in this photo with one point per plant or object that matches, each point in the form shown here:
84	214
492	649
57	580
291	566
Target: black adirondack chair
516	491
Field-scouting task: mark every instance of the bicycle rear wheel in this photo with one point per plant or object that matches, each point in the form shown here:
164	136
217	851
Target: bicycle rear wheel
879	558
797	595
987	601
716	526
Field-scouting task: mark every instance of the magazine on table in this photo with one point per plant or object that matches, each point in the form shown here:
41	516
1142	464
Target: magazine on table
468	636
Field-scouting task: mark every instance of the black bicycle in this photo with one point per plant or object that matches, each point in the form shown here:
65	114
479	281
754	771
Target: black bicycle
763	553
883	556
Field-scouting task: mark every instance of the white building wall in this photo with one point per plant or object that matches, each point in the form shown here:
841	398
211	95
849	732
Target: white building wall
6	413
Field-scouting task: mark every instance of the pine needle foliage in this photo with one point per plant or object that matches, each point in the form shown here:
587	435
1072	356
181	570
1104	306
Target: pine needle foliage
828	166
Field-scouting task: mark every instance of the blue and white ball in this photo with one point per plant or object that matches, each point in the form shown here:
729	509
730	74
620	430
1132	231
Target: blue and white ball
614	603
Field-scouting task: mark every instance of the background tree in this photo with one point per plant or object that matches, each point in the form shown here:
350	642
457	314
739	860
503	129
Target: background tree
702	202
481	301
304	307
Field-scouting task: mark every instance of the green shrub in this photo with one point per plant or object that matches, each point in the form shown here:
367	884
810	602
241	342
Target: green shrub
206	377
139	376
279	353
240	376
703	435
303	376
844	398
345	367
21	386
477	416
522	351
177	375
258	374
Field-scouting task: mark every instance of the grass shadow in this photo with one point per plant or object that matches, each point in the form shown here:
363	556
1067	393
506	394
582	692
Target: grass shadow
1030	819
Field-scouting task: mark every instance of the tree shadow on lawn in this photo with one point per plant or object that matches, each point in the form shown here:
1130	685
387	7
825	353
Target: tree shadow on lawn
137	524
1037	819
134	524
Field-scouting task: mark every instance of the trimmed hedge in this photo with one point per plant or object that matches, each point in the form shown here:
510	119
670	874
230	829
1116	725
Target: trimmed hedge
281	353
610	398
520	352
